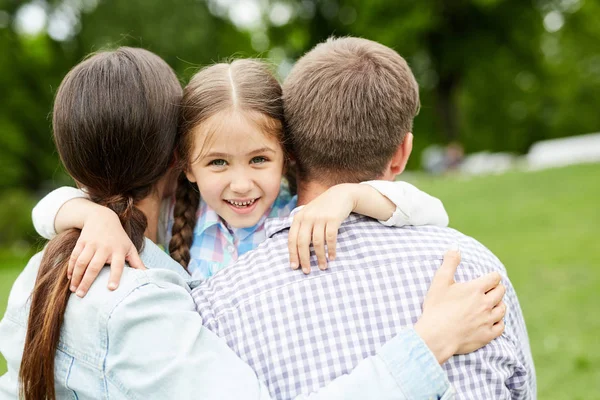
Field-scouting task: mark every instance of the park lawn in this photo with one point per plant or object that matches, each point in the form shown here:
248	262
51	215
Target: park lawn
545	227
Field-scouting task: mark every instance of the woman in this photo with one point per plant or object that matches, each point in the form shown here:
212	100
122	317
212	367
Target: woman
115	130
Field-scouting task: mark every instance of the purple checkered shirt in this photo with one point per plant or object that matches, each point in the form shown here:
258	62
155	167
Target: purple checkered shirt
299	332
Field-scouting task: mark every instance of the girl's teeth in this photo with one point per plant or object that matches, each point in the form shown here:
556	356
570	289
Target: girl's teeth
241	204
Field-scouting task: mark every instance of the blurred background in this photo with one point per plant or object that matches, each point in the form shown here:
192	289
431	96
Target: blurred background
510	93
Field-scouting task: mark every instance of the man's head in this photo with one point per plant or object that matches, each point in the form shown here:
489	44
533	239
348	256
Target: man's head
349	107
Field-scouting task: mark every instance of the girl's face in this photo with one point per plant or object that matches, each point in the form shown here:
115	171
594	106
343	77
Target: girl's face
237	167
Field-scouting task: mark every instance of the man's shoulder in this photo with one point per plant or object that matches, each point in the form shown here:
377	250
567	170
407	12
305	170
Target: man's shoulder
362	244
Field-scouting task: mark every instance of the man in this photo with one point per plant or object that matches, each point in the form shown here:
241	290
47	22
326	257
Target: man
349	106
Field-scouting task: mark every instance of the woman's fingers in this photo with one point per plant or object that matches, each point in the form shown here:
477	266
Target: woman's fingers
444	276
497	329
91	272
318	241
494	296
80	266
498	313
488	281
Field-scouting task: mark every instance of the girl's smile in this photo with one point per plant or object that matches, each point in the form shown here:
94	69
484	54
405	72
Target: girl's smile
242	206
237	166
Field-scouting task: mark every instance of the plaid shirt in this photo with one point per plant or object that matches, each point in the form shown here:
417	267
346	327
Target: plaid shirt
299	332
216	245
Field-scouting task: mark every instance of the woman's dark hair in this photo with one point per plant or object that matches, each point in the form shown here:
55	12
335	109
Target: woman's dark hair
115	128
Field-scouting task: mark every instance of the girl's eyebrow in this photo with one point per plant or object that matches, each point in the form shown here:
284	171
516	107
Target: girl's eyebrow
214	154
261	150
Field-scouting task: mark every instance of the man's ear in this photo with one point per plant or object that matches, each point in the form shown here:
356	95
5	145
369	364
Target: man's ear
401	156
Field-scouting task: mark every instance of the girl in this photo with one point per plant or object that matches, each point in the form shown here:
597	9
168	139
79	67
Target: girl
233	157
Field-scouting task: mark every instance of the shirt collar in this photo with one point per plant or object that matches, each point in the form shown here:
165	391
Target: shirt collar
276	225
206	217
242	234
154	257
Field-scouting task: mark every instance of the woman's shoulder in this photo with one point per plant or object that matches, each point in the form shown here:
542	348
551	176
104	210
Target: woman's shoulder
87	324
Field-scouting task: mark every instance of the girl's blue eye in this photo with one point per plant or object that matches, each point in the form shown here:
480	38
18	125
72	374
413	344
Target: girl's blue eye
258	160
218	163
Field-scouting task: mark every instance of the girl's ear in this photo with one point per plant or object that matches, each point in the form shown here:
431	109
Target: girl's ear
190	177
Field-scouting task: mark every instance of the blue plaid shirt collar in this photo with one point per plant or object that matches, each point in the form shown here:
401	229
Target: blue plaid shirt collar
208	218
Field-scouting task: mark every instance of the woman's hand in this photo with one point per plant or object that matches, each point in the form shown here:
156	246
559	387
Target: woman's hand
318	222
102	241
459	318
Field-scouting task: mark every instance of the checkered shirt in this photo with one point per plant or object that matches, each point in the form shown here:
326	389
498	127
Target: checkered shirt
216	245
300	332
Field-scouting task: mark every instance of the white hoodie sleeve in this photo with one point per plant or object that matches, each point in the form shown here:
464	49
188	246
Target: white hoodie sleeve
413	206
45	211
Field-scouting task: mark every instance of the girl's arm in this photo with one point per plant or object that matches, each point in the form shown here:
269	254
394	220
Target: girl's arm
392	203
102	241
411	206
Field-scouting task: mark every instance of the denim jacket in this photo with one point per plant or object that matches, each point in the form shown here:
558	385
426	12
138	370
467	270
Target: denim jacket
146	340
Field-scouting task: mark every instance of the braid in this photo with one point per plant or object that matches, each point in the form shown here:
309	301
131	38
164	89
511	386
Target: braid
187	198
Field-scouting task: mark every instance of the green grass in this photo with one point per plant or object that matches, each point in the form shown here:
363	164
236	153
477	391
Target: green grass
545	227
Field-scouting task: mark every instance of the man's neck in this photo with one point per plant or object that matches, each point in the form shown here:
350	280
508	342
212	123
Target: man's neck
308	191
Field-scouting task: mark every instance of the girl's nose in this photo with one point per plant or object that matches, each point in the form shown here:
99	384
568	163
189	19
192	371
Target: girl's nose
241	184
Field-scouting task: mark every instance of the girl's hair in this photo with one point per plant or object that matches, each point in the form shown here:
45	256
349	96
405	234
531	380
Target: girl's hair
246	86
115	128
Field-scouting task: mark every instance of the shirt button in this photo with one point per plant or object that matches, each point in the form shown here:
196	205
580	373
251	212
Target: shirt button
230	249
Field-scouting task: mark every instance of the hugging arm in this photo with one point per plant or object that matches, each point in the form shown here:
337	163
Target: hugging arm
392	203
102	240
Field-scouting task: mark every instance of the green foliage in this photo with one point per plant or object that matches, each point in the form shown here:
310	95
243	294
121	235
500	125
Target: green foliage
492	76
15	218
544	227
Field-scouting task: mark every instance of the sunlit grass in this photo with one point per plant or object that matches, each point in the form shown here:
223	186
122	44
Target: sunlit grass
545	227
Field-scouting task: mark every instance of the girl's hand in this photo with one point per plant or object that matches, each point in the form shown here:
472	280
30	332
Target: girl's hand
318	222
459	318
102	241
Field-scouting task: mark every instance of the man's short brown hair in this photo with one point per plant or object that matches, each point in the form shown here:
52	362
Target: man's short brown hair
348	103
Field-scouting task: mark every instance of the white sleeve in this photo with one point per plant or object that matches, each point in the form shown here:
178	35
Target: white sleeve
45	211
413	206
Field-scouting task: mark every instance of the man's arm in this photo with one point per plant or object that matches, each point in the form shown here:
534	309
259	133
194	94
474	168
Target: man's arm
158	348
